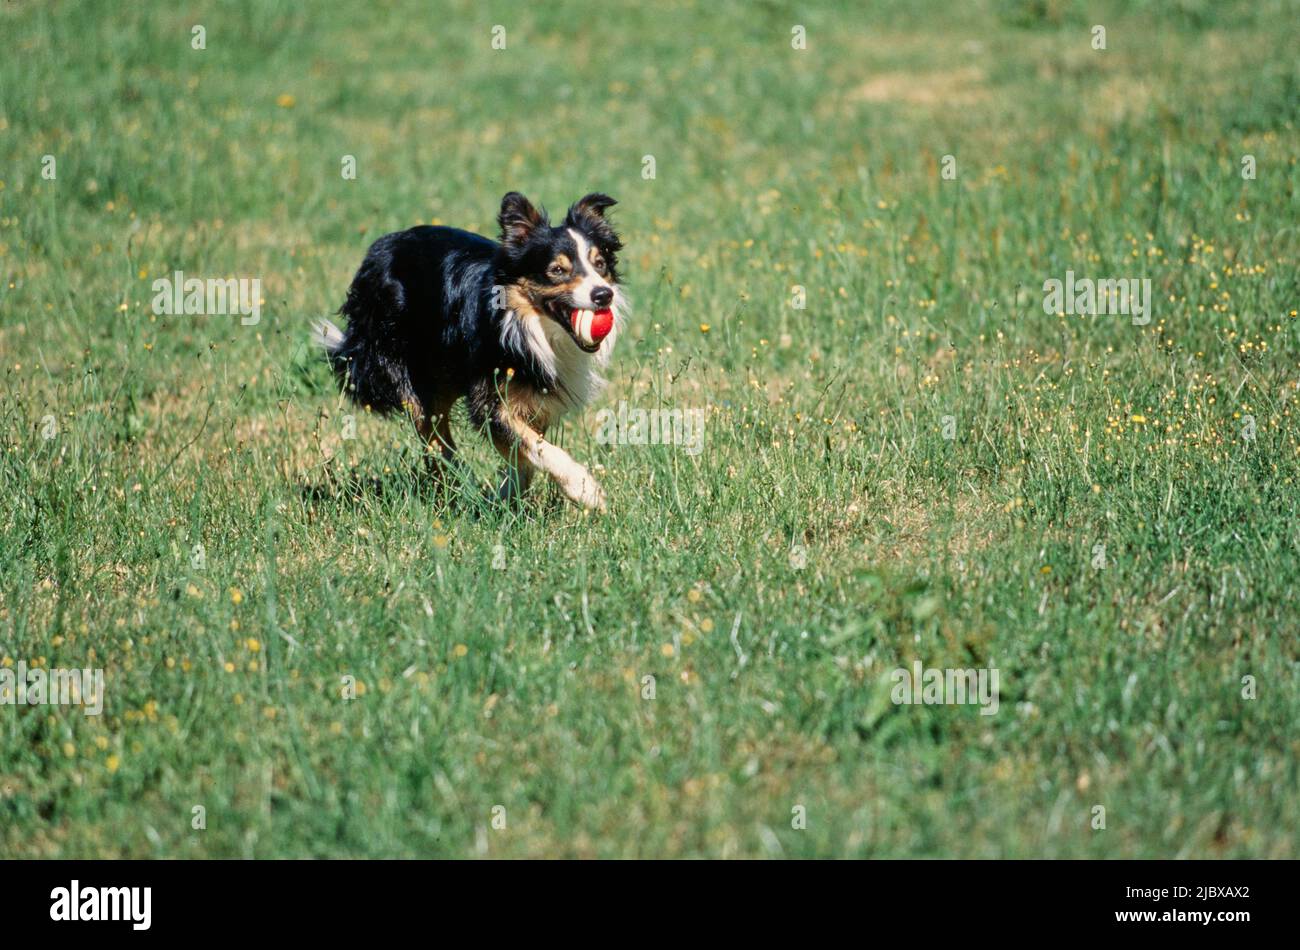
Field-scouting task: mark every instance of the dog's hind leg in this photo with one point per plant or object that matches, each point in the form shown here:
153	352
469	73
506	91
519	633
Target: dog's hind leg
434	428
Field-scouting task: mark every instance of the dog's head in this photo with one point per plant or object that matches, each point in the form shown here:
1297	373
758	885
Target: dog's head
567	275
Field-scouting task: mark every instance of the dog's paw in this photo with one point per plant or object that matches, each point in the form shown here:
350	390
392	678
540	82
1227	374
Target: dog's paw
585	492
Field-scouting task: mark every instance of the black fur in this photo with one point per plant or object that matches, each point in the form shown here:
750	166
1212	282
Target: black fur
419	319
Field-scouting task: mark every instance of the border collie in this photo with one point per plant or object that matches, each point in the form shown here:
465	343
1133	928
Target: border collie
521	329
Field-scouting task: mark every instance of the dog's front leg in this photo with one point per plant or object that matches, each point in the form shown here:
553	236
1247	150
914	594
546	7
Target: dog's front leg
525	450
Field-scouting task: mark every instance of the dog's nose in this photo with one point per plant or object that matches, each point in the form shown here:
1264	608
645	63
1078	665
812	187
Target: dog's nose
601	296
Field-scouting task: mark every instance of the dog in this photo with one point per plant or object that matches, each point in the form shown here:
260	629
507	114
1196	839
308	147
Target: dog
522	328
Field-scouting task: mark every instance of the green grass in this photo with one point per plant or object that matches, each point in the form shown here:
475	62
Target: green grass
520	687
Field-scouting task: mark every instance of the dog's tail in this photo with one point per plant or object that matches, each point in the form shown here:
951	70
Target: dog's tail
330	339
327	336
365	378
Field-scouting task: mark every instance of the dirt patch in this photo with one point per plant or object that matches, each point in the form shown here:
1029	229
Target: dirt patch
911	529
952	87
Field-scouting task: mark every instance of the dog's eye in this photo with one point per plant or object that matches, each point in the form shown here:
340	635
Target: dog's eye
599	264
556	271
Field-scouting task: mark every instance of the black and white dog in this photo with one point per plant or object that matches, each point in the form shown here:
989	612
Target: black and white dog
522	329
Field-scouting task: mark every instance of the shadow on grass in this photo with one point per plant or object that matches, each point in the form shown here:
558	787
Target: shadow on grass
453	494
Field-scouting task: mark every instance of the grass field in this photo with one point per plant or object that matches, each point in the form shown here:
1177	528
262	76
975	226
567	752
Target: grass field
919	464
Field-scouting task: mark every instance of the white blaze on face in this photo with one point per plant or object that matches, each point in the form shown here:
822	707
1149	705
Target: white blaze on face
590	279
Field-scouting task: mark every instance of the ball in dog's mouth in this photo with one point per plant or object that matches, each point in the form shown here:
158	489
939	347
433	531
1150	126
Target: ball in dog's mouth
592	326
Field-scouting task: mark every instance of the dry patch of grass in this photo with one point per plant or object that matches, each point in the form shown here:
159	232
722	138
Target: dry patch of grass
956	87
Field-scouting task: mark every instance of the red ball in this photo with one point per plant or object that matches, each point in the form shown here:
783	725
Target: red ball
602	321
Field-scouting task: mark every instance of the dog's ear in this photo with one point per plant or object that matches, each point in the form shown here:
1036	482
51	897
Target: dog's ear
593	204
588	214
518	219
